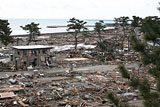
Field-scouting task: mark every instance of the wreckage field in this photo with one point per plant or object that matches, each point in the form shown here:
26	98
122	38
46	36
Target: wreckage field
53	74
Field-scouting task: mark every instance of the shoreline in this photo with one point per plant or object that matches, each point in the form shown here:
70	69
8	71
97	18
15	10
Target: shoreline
109	26
42	34
46	34
51	34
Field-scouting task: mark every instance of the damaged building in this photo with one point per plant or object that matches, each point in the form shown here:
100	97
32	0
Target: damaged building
31	56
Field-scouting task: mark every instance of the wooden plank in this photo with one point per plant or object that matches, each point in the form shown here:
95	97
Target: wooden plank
43	101
24	105
7	95
11	88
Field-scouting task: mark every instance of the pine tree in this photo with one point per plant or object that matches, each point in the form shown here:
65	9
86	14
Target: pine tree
108	47
124	24
136	22
149	50
5	32
116	101
32	29
99	28
76	26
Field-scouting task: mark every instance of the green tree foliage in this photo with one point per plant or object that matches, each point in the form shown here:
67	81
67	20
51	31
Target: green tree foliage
108	47
76	26
113	99
134	82
5	32
149	50
144	88
137	45
151	27
124	72
32	29
116	101
99	28
136	22
124	23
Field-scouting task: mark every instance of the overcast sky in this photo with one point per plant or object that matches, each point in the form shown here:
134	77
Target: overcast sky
83	9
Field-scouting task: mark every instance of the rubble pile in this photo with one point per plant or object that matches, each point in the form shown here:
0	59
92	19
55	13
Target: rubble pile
68	88
6	67
68	81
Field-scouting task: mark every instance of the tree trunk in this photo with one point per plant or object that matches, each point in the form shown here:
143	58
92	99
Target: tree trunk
76	40
30	39
17	41
99	36
123	38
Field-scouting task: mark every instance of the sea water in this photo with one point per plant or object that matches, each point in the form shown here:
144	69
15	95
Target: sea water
43	23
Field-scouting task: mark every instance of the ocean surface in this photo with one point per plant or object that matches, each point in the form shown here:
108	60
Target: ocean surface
43	23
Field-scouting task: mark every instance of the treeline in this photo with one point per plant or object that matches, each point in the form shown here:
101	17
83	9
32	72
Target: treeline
74	24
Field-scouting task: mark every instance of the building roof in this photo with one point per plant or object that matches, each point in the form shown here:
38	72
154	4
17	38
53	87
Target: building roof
32	47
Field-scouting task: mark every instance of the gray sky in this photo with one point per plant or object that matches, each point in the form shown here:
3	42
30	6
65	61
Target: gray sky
83	9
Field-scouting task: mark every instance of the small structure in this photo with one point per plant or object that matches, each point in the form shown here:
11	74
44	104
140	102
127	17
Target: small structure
31	56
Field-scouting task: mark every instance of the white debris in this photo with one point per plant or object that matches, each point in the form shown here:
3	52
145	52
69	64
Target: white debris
67	47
